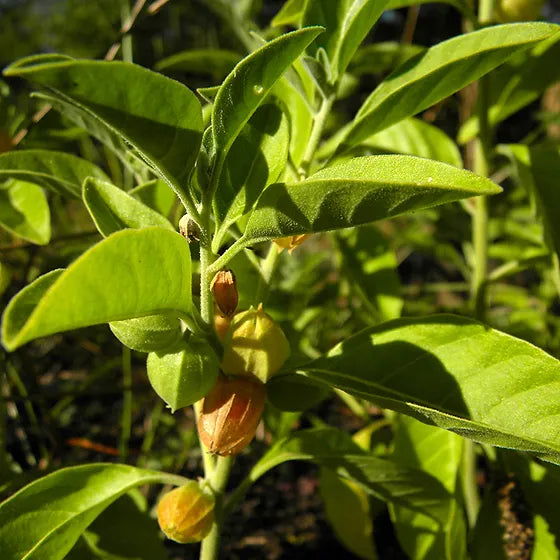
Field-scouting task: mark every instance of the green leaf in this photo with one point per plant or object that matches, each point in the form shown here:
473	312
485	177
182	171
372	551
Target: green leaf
256	159
349	513
517	83
360	191
112	209
157	195
347	22
439	453
216	62
457	374
334	449
290	13
294	393
91	124
440	71
395	4
249	83
381	57
124	531
132	273
160	117
370	265
24	211
60	172
44	520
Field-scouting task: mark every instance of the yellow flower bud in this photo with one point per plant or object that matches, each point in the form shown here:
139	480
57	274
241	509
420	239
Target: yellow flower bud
255	345
186	513
290	242
517	10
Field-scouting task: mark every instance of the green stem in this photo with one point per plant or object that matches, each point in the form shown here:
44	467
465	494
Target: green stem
268	267
480	215
126	415
485	11
126	41
470	488
316	134
218	481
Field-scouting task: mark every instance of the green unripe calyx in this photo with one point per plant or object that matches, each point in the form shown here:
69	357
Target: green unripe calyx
183	373
148	334
255	345
186	513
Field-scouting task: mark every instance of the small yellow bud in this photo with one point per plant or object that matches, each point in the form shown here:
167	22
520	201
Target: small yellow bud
186	513
290	242
255	345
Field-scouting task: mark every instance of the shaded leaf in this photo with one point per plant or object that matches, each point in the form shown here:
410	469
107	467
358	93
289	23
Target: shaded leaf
256	159
157	195
346	23
112	209
60	172
130	274
457	374
24	211
44	520
360	191
216	62
249	83
440	71
334	449
160	117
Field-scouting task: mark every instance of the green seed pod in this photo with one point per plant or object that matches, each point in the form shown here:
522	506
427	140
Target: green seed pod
254	345
186	513
183	373
517	10
147	334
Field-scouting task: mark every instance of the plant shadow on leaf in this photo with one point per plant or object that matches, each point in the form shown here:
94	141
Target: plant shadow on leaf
166	152
252	177
403	364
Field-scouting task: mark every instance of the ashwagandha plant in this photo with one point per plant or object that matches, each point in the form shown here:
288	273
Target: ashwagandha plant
259	168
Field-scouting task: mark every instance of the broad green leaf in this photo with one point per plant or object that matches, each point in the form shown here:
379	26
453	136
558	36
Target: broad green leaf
517	83
157	195
60	172
457	374
416	138
545	169
160	117
357	192
44	520
334	449
256	159
370	266
461	5
382	56
24	211
540	485
346	23
487	536
290	13
249	83
438	452
349	513
112	209
440	71
294	393
132	273
91	124
123	531
216	62
410	136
